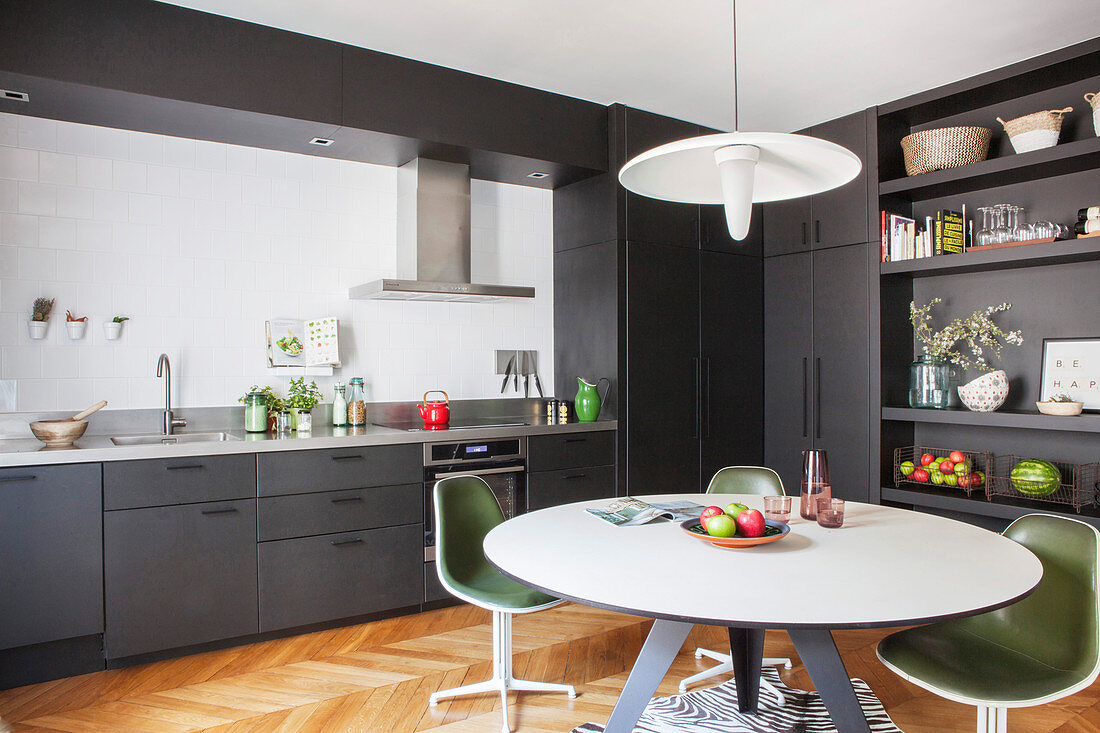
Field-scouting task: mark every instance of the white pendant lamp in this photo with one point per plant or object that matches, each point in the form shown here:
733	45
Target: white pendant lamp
738	169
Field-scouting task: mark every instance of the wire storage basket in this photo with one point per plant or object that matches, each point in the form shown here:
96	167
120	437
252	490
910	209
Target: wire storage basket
974	475
944	147
1075	484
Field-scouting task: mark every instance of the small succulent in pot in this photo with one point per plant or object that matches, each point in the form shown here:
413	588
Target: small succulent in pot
1061	405
1061	397
113	327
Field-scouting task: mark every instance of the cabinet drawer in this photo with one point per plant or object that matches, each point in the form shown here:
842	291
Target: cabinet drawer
315	579
301	515
184	480
306	471
51	552
551	488
179	575
551	452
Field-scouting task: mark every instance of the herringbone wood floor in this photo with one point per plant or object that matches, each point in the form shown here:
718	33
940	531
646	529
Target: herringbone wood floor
377	677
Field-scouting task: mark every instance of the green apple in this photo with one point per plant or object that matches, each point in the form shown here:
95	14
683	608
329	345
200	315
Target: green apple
722	525
938	461
735	508
962	469
950	479
907	468
937	478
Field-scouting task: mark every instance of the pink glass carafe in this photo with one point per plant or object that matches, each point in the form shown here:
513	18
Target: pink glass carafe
815	482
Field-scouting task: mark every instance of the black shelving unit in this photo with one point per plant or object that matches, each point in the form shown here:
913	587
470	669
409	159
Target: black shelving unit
1084	423
1085	249
998	508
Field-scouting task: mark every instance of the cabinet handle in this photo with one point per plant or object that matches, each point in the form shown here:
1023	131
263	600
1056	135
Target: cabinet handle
817	397
576	440
803	233
577	475
695	375
219	511
184	466
347	500
18	478
339	543
355	457
706	400
817	231
805	396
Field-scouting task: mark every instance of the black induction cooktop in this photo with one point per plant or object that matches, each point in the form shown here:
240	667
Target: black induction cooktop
416	425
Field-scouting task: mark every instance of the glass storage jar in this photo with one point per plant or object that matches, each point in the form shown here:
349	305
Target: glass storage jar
357	406
255	412
929	383
339	405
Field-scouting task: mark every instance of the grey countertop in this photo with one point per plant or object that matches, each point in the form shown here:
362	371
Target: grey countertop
96	448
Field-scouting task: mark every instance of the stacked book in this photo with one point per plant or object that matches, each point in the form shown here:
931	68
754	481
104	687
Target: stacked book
1088	222
907	239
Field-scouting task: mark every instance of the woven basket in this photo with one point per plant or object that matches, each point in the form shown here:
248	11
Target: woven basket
1094	100
943	148
1035	131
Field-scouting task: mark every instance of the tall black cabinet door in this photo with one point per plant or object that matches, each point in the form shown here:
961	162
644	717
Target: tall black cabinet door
788	344
840	215
840	369
731	302
663	369
652	220
787	227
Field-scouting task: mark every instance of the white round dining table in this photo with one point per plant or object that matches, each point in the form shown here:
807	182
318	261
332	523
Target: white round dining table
885	567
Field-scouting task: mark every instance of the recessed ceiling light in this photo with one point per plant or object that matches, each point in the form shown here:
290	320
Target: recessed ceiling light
537	174
14	96
324	141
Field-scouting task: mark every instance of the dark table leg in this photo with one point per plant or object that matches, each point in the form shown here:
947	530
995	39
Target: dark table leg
660	648
747	651
823	662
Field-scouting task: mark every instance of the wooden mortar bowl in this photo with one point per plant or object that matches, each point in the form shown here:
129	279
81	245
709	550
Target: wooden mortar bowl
58	432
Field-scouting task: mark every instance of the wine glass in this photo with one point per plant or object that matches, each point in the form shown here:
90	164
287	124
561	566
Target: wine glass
1001	232
1021	230
985	234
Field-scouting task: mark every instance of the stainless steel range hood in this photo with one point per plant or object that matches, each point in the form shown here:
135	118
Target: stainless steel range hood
433	240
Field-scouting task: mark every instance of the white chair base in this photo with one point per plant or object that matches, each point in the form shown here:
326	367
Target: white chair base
502	679
727	666
992	719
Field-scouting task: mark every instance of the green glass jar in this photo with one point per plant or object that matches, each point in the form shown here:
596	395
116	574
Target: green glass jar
255	412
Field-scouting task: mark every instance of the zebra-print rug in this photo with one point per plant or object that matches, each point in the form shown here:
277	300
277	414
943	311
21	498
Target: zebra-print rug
715	709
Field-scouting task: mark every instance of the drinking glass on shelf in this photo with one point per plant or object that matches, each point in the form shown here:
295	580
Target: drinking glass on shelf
1001	231
1043	230
1063	231
777	508
985	234
830	513
1021	230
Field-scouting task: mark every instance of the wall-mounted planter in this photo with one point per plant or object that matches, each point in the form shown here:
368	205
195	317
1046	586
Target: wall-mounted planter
37	329
112	330
76	329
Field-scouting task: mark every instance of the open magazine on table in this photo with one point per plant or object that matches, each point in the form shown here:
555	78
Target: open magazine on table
630	511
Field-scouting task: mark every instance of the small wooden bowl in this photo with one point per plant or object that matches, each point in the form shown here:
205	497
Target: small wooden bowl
58	432
1061	409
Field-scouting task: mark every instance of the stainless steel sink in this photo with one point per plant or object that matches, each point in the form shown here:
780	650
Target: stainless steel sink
176	439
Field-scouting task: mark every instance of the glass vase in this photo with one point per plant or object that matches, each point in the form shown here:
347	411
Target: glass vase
929	383
815	483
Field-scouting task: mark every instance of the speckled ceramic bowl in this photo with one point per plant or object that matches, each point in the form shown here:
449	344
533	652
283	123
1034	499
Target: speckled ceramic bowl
986	393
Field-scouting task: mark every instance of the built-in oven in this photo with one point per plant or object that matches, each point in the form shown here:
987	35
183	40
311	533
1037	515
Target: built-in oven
501	463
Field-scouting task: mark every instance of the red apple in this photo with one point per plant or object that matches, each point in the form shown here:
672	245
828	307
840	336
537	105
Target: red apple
926	459
750	523
710	511
920	475
947	467
957	456
964	481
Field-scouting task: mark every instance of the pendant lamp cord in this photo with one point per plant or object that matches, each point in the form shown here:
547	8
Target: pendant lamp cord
736	106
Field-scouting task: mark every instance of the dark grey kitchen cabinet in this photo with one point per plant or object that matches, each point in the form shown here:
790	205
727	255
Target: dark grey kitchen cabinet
829	219
816	358
315	579
187	480
51	535
570	450
299	472
300	515
569	485
179	575
652	220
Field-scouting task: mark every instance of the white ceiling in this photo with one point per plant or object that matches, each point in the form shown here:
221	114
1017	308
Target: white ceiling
800	61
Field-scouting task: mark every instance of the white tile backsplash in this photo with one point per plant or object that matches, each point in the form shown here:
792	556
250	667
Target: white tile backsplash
199	243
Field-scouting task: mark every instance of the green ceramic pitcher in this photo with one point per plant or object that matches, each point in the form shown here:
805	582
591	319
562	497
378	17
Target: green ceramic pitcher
588	401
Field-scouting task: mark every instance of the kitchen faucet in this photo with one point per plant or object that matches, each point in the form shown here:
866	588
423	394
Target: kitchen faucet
169	422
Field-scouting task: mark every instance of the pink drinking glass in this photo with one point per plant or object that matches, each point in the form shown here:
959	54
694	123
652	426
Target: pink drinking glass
777	508
830	513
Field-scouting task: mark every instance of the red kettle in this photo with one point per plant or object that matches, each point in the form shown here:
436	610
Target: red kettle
435	412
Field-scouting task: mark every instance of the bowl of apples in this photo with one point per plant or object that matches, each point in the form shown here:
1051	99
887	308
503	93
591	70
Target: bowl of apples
735	526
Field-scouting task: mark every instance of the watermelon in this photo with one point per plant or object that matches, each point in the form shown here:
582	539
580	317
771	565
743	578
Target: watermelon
1032	477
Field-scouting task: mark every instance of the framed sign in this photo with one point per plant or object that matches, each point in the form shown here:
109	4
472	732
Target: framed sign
1072	367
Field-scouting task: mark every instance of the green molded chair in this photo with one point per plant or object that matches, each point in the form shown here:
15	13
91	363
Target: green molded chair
1043	648
759	481
464	512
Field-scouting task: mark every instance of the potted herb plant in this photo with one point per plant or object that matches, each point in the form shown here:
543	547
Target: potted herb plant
301	401
930	374
113	328
275	404
40	317
75	325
